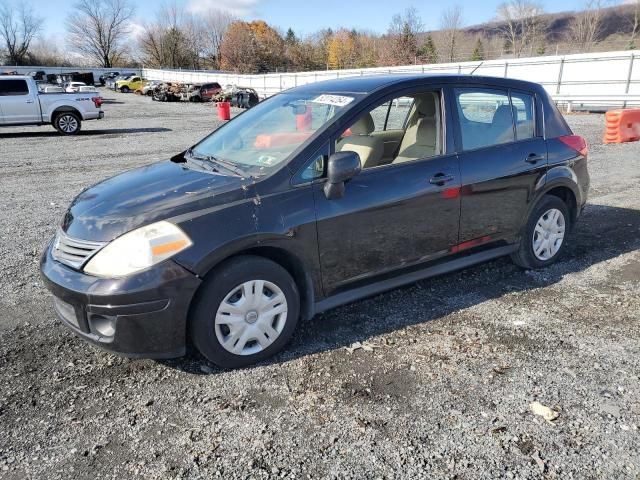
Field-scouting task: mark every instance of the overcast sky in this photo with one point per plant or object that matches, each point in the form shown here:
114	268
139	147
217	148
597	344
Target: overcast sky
307	16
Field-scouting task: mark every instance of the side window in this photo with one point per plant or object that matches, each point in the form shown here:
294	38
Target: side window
524	108
314	170
392	115
379	116
400	130
398	113
13	88
485	117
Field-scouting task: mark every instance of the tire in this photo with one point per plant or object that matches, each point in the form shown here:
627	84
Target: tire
220	299
67	123
542	243
124	89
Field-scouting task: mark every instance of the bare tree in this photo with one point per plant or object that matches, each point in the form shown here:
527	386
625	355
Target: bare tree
176	39
521	24
216	24
98	29
18	27
586	27
450	23
403	31
635	23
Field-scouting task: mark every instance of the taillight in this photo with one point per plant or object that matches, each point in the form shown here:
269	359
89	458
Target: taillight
97	101
575	142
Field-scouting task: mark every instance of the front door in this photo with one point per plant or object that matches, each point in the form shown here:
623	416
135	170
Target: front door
503	156
393	215
18	105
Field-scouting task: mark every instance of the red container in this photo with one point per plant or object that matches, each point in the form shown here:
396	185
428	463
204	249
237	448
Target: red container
303	120
224	110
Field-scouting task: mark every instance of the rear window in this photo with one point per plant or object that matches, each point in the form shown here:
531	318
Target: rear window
13	87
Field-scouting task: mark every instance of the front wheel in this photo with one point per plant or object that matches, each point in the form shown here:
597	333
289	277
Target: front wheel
543	239
124	89
245	312
67	123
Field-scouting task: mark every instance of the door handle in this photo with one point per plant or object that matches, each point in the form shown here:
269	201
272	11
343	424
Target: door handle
29	101
440	179
534	158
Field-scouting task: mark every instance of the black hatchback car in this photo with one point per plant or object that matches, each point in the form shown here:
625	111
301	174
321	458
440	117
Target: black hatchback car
318	196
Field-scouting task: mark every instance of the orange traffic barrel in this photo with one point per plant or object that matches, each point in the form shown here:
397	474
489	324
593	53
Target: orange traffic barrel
224	110
622	125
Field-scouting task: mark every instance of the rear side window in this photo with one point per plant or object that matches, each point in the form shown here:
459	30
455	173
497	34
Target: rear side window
524	107
485	117
13	87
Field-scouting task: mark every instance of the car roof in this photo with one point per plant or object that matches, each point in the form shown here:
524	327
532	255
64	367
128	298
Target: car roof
370	83
17	77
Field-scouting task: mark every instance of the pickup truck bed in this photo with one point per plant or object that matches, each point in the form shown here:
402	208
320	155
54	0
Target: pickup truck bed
22	104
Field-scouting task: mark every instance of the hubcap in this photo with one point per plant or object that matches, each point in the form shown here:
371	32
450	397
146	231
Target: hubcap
68	123
251	317
548	234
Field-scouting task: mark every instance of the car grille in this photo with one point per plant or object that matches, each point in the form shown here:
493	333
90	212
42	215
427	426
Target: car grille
72	251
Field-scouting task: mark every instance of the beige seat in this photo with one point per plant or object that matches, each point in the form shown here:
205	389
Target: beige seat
370	149
421	139
502	124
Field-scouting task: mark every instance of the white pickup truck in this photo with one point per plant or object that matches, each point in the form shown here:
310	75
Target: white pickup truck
22	104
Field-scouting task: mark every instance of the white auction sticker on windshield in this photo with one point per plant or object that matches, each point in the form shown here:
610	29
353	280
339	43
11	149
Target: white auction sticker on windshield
337	100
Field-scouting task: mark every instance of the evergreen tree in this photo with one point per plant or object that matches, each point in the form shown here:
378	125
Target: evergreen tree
290	37
428	50
478	52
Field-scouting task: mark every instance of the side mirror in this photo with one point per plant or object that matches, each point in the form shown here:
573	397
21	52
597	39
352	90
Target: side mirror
341	167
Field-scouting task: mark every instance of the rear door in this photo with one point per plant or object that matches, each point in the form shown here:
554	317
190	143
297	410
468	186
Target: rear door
19	105
502	157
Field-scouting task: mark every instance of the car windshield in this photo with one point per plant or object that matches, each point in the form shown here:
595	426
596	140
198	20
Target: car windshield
262	138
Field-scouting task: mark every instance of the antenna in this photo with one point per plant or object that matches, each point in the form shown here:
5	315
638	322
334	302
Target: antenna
477	67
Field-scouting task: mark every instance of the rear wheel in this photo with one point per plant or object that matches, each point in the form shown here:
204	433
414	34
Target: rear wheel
124	89
67	123
245	311
543	240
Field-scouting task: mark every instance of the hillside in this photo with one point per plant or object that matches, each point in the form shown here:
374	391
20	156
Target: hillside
615	29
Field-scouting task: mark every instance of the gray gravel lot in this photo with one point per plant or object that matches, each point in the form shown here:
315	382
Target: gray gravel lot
441	389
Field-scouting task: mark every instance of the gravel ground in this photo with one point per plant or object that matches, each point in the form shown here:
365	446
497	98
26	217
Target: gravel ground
440	387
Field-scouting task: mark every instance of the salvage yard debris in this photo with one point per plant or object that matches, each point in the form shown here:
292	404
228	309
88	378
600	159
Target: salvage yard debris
545	412
366	346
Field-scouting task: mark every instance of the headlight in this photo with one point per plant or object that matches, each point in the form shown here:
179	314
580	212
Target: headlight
138	249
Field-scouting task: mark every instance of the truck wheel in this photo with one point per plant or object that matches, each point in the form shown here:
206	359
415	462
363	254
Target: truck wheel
544	236
67	123
124	89
245	311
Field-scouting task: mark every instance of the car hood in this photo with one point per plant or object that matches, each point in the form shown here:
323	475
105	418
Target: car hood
146	195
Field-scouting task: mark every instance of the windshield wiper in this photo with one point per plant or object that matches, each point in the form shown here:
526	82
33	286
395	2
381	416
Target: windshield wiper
216	162
227	165
201	162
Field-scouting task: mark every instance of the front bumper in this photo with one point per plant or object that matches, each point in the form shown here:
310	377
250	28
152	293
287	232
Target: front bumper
143	315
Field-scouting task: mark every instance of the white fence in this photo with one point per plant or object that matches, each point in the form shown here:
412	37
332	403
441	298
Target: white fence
608	79
594	79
